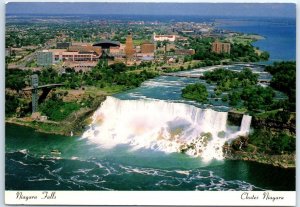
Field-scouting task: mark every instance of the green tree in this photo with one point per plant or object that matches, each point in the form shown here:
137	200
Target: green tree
282	143
196	92
234	98
118	67
11	104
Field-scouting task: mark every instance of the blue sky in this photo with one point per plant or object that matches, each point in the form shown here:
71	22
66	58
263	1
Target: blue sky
201	9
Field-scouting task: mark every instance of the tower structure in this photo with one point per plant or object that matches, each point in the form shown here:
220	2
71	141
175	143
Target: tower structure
105	46
36	99
129	50
34	84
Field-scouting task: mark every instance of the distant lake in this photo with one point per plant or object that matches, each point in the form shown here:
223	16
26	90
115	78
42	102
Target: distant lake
279	33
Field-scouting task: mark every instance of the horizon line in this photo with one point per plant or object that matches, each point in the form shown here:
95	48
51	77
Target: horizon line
184	15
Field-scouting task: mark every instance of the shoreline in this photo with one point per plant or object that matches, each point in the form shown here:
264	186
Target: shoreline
285	161
75	123
34	127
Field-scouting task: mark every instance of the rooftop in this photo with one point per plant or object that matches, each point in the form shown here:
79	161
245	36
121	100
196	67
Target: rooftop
107	44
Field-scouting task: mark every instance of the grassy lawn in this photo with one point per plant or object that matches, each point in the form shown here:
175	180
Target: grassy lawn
44	127
138	42
244	39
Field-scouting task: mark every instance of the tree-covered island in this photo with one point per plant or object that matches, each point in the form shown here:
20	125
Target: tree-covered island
274	131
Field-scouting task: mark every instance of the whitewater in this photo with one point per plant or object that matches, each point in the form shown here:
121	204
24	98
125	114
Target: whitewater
163	126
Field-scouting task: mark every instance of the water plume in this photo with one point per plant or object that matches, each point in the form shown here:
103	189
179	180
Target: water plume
163	126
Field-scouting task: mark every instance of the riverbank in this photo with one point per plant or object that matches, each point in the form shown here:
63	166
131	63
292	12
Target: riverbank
282	161
245	38
74	124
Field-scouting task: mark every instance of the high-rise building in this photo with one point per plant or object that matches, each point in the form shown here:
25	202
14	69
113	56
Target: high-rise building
129	50
219	47
45	58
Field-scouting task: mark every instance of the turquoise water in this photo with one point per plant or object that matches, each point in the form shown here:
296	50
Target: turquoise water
169	88
30	165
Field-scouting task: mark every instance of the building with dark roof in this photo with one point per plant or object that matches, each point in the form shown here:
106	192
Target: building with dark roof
106	44
63	45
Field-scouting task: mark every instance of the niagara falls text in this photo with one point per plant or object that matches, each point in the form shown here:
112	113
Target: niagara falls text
264	196
43	195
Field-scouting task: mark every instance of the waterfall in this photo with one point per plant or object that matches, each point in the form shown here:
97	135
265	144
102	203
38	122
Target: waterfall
245	125
161	125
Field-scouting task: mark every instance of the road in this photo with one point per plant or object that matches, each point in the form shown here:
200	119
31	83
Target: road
21	64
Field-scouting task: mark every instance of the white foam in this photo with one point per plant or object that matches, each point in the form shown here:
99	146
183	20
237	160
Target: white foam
159	125
245	125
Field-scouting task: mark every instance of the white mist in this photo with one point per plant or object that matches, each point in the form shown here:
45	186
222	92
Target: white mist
163	126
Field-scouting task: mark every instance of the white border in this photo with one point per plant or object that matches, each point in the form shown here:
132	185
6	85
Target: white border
183	198
165	1
146	197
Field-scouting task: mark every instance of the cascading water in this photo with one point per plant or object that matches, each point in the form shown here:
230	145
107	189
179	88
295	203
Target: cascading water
161	125
245	125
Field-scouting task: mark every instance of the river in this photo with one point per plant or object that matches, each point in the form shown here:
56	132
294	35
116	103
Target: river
83	165
133	145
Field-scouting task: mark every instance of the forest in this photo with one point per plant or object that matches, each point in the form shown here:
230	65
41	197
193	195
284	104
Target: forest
107	78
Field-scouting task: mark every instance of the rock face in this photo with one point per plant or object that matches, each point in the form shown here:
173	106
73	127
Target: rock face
274	125
36	115
240	149
234	118
283	161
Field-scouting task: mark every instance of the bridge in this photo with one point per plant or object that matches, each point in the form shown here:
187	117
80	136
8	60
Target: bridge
43	86
34	90
265	81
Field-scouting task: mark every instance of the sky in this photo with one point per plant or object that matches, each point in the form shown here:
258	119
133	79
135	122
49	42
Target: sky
201	9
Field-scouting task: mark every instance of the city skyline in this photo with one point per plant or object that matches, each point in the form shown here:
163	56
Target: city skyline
176	9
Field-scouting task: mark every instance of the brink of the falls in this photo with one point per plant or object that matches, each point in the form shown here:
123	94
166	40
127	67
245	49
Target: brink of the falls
163	126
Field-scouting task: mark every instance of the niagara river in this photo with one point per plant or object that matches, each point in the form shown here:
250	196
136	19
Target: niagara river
148	138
